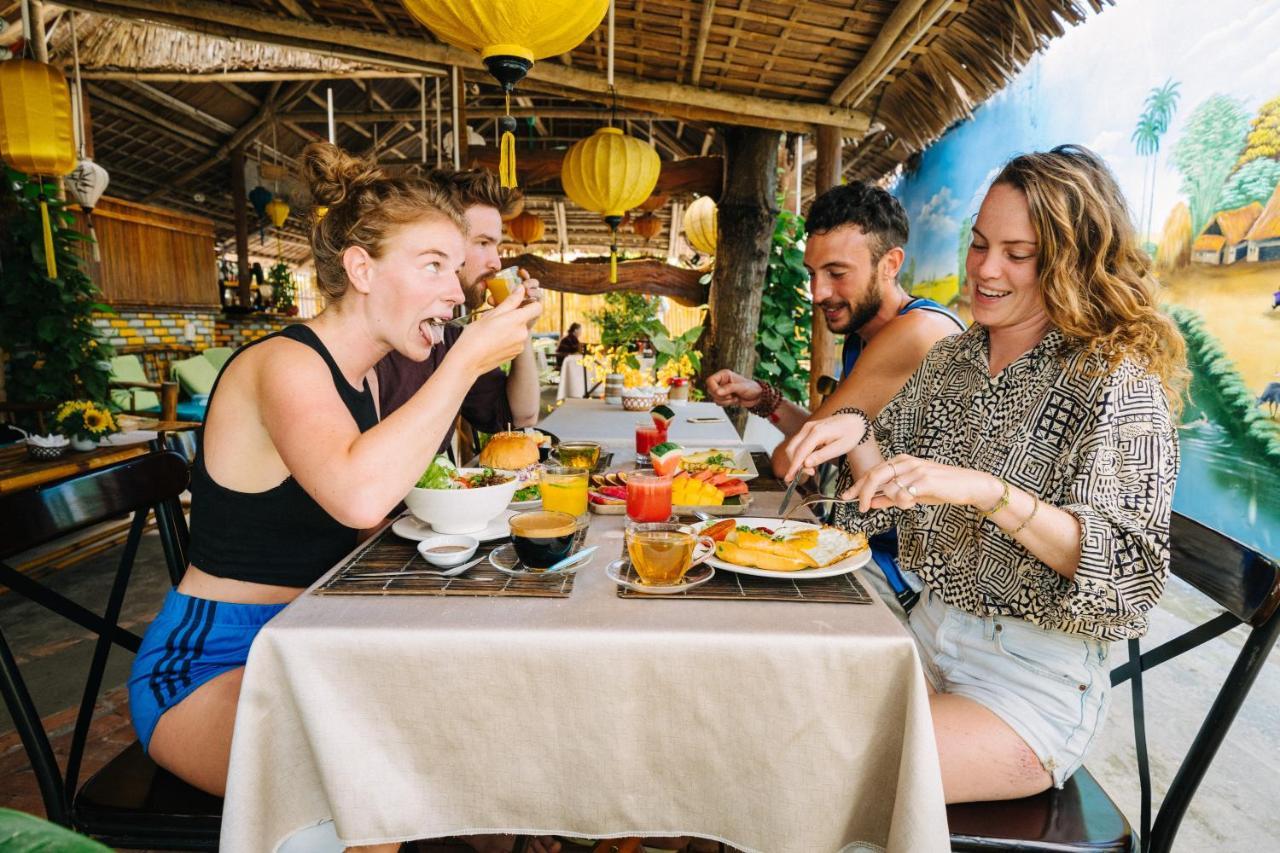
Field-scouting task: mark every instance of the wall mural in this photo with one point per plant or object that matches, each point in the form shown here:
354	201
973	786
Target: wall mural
1185	107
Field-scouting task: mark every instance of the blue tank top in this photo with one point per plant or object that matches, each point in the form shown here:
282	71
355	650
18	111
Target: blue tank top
853	344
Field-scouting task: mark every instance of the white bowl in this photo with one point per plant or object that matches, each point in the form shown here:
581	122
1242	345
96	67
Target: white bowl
462	510
469	544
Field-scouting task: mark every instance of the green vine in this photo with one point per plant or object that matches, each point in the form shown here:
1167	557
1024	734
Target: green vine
625	318
1210	362
786	312
53	350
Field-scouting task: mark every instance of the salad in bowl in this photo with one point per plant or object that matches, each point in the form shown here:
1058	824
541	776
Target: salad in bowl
460	500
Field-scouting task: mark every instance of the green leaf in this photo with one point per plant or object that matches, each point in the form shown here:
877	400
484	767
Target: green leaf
24	833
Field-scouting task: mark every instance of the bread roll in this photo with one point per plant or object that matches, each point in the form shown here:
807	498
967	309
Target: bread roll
509	450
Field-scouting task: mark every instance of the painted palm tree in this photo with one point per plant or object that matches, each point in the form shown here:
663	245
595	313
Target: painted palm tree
1157	115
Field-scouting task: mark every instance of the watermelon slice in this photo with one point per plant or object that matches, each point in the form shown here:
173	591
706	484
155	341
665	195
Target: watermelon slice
732	487
666	458
662	417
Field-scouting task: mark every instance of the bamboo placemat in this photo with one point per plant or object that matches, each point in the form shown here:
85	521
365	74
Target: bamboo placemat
841	589
765	482
388	552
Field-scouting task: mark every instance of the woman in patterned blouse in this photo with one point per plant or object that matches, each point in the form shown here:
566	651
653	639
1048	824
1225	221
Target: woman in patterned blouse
1029	466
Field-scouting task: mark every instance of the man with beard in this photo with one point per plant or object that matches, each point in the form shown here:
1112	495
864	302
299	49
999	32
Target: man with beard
497	401
853	252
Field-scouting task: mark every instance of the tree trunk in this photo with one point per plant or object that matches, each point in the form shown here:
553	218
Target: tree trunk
748	211
822	347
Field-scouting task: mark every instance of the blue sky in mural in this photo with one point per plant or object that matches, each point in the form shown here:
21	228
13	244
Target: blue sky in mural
1089	87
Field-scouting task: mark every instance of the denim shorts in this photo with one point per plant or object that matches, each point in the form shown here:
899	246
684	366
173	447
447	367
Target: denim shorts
1052	688
190	642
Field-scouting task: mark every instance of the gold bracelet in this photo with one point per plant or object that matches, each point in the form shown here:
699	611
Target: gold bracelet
1000	504
1035	507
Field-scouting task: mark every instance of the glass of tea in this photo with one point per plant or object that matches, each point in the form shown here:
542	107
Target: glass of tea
564	490
662	553
648	497
584	455
543	538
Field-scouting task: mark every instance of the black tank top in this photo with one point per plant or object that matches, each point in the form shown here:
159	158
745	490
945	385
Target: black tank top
280	536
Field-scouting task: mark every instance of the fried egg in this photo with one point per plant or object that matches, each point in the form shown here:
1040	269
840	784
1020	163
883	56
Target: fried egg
832	545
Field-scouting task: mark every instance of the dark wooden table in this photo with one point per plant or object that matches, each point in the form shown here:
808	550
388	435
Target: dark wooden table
18	471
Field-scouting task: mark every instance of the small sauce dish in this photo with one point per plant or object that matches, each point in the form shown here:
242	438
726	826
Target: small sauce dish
447	551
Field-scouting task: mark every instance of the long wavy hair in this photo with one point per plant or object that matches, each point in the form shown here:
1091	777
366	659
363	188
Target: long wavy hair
1098	285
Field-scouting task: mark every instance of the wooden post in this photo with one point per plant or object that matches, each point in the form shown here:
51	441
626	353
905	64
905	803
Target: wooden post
240	207
38	44
461	136
747	214
822	356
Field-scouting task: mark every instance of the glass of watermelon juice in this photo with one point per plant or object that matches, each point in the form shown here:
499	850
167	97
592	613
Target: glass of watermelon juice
648	436
648	497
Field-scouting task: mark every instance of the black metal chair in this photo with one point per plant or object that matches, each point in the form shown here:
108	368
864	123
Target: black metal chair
131	802
1081	817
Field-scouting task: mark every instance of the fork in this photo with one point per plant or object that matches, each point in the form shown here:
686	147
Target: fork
467	319
413	573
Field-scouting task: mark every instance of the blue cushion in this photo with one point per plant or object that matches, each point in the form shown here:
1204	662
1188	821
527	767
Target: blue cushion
189	410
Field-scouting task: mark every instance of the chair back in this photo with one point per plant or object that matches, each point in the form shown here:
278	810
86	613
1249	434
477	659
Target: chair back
37	516
1246	585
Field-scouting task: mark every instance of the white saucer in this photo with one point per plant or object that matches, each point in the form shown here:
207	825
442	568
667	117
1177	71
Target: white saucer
504	559
697	576
410	526
521	506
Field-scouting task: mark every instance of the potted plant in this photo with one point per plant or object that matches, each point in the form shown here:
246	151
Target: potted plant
676	361
284	289
608	363
85	423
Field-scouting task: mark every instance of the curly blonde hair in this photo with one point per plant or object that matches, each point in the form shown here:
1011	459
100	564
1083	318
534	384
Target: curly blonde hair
359	205
1097	282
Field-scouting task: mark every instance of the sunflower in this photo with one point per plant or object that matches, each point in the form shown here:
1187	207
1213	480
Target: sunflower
96	420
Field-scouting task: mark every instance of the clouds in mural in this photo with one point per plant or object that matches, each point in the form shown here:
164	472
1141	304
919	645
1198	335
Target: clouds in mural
937	213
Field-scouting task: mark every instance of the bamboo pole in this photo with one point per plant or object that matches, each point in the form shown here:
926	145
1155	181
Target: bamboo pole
822	355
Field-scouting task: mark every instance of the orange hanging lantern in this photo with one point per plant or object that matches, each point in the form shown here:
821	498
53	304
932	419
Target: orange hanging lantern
527	228
647	226
654	202
36	135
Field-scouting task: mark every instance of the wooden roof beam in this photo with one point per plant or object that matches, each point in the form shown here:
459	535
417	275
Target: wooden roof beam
415	54
700	47
910	20
247	76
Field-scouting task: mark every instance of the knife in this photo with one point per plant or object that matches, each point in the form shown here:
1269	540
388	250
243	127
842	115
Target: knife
787	495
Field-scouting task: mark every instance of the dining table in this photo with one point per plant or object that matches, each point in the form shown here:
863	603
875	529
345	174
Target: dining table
794	723
698	424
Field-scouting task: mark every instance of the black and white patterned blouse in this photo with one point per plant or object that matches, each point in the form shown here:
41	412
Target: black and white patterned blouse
1100	445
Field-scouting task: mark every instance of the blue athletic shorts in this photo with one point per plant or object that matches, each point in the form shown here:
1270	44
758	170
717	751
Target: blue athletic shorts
191	641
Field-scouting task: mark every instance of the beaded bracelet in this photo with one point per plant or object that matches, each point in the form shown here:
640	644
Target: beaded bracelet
770	399
854	410
1000	504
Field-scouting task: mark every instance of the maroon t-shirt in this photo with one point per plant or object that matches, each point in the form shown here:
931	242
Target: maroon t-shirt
485	407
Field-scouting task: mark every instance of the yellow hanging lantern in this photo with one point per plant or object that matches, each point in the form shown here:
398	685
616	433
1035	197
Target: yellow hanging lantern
36	135
277	211
527	228
609	173
509	35
700	227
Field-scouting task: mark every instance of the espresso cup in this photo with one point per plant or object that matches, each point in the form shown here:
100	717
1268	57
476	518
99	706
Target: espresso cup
543	538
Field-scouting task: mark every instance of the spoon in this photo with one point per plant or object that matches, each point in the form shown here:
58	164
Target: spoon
435	573
572	559
467	319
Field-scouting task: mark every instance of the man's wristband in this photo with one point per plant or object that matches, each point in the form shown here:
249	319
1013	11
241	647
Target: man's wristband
866	421
770	399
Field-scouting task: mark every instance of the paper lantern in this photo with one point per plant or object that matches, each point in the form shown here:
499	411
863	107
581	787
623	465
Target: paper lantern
260	197
654	202
509	35
527	228
36	135
700	225
647	226
86	184
277	211
515	209
609	173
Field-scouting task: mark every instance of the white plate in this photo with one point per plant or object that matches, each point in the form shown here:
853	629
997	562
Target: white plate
848	564
741	460
697	576
124	439
410	526
521	506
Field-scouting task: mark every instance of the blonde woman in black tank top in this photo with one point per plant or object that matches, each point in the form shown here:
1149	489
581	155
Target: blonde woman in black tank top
289	425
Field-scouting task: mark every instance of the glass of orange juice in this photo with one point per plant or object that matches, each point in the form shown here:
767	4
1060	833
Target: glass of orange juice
501	284
564	490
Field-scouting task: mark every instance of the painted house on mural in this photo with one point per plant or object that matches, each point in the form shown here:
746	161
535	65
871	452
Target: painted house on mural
1223	240
1264	237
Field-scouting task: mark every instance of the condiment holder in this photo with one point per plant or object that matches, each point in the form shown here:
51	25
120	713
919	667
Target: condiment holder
447	551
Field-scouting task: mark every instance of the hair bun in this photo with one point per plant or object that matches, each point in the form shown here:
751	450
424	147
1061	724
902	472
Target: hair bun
333	175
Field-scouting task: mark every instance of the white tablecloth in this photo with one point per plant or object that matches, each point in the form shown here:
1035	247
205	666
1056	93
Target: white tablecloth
594	420
773	726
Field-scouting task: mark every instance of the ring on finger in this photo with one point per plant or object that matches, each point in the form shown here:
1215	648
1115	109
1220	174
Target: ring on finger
911	490
893	468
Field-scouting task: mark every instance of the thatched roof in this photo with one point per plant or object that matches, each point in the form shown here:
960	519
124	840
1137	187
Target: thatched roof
1267	225
892	76
1231	225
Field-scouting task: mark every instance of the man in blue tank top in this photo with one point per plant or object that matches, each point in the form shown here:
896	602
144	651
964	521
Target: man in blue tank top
853	251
